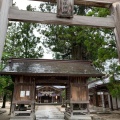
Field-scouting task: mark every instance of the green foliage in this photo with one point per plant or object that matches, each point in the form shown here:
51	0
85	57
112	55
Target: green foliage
98	12
64	94
114	88
79	42
21	41
5	81
114	84
84	43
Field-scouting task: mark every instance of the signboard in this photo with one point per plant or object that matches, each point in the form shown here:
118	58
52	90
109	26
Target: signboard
22	93
65	8
27	93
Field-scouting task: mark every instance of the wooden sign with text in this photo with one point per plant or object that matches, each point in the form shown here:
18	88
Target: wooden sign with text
65	8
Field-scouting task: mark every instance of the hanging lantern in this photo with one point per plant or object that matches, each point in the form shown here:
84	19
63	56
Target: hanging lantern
65	8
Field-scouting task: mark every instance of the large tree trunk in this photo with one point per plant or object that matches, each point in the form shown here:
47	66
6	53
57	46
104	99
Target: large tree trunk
4	100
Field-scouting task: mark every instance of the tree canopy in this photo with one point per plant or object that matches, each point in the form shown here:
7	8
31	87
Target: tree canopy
21	41
84	43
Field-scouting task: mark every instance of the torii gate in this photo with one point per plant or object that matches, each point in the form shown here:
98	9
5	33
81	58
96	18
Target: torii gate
9	13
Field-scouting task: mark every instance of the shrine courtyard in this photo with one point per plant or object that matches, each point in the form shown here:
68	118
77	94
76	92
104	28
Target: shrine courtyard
50	112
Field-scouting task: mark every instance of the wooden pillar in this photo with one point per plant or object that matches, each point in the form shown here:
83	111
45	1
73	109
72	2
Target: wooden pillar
111	102
11	102
0	4
115	11
116	104
3	22
12	110
60	97
67	92
95	97
34	95
52	99
40	99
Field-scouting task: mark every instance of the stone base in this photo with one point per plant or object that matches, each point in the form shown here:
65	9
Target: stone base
33	117
77	117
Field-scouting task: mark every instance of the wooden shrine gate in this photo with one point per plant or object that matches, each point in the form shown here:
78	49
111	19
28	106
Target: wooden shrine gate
27	73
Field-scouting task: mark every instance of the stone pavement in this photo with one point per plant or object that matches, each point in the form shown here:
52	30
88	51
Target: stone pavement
49	112
55	112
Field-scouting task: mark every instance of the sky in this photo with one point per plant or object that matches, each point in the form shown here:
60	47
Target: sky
22	4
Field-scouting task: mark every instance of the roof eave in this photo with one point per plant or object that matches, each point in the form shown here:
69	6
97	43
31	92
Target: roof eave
50	74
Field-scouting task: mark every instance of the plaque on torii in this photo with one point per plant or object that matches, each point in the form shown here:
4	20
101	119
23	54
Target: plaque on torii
65	8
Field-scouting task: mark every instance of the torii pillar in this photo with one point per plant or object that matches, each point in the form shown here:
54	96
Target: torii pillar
115	12
4	10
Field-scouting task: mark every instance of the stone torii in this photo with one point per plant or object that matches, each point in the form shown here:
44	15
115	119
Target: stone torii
9	13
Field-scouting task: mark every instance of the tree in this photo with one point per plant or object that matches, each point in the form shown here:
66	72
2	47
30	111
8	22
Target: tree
84	43
74	42
114	84
21	42
66	41
4	82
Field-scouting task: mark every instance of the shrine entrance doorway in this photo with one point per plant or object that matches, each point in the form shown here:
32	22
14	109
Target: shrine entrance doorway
46	94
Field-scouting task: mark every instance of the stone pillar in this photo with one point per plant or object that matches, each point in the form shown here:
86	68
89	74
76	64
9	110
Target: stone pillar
103	101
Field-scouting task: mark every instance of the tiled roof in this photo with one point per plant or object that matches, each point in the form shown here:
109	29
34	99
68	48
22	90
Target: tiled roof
42	66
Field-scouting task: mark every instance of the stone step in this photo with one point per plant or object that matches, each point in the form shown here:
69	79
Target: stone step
22	118
77	117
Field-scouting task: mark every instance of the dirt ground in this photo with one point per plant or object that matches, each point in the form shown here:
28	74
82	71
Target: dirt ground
4	112
114	115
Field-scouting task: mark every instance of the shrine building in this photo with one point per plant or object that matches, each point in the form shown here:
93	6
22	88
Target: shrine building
49	94
29	73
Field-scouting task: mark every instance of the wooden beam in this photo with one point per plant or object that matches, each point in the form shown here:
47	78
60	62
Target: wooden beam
116	16
4	22
96	3
0	4
50	18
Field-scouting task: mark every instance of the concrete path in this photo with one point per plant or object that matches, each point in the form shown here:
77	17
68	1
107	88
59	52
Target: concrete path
49	112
